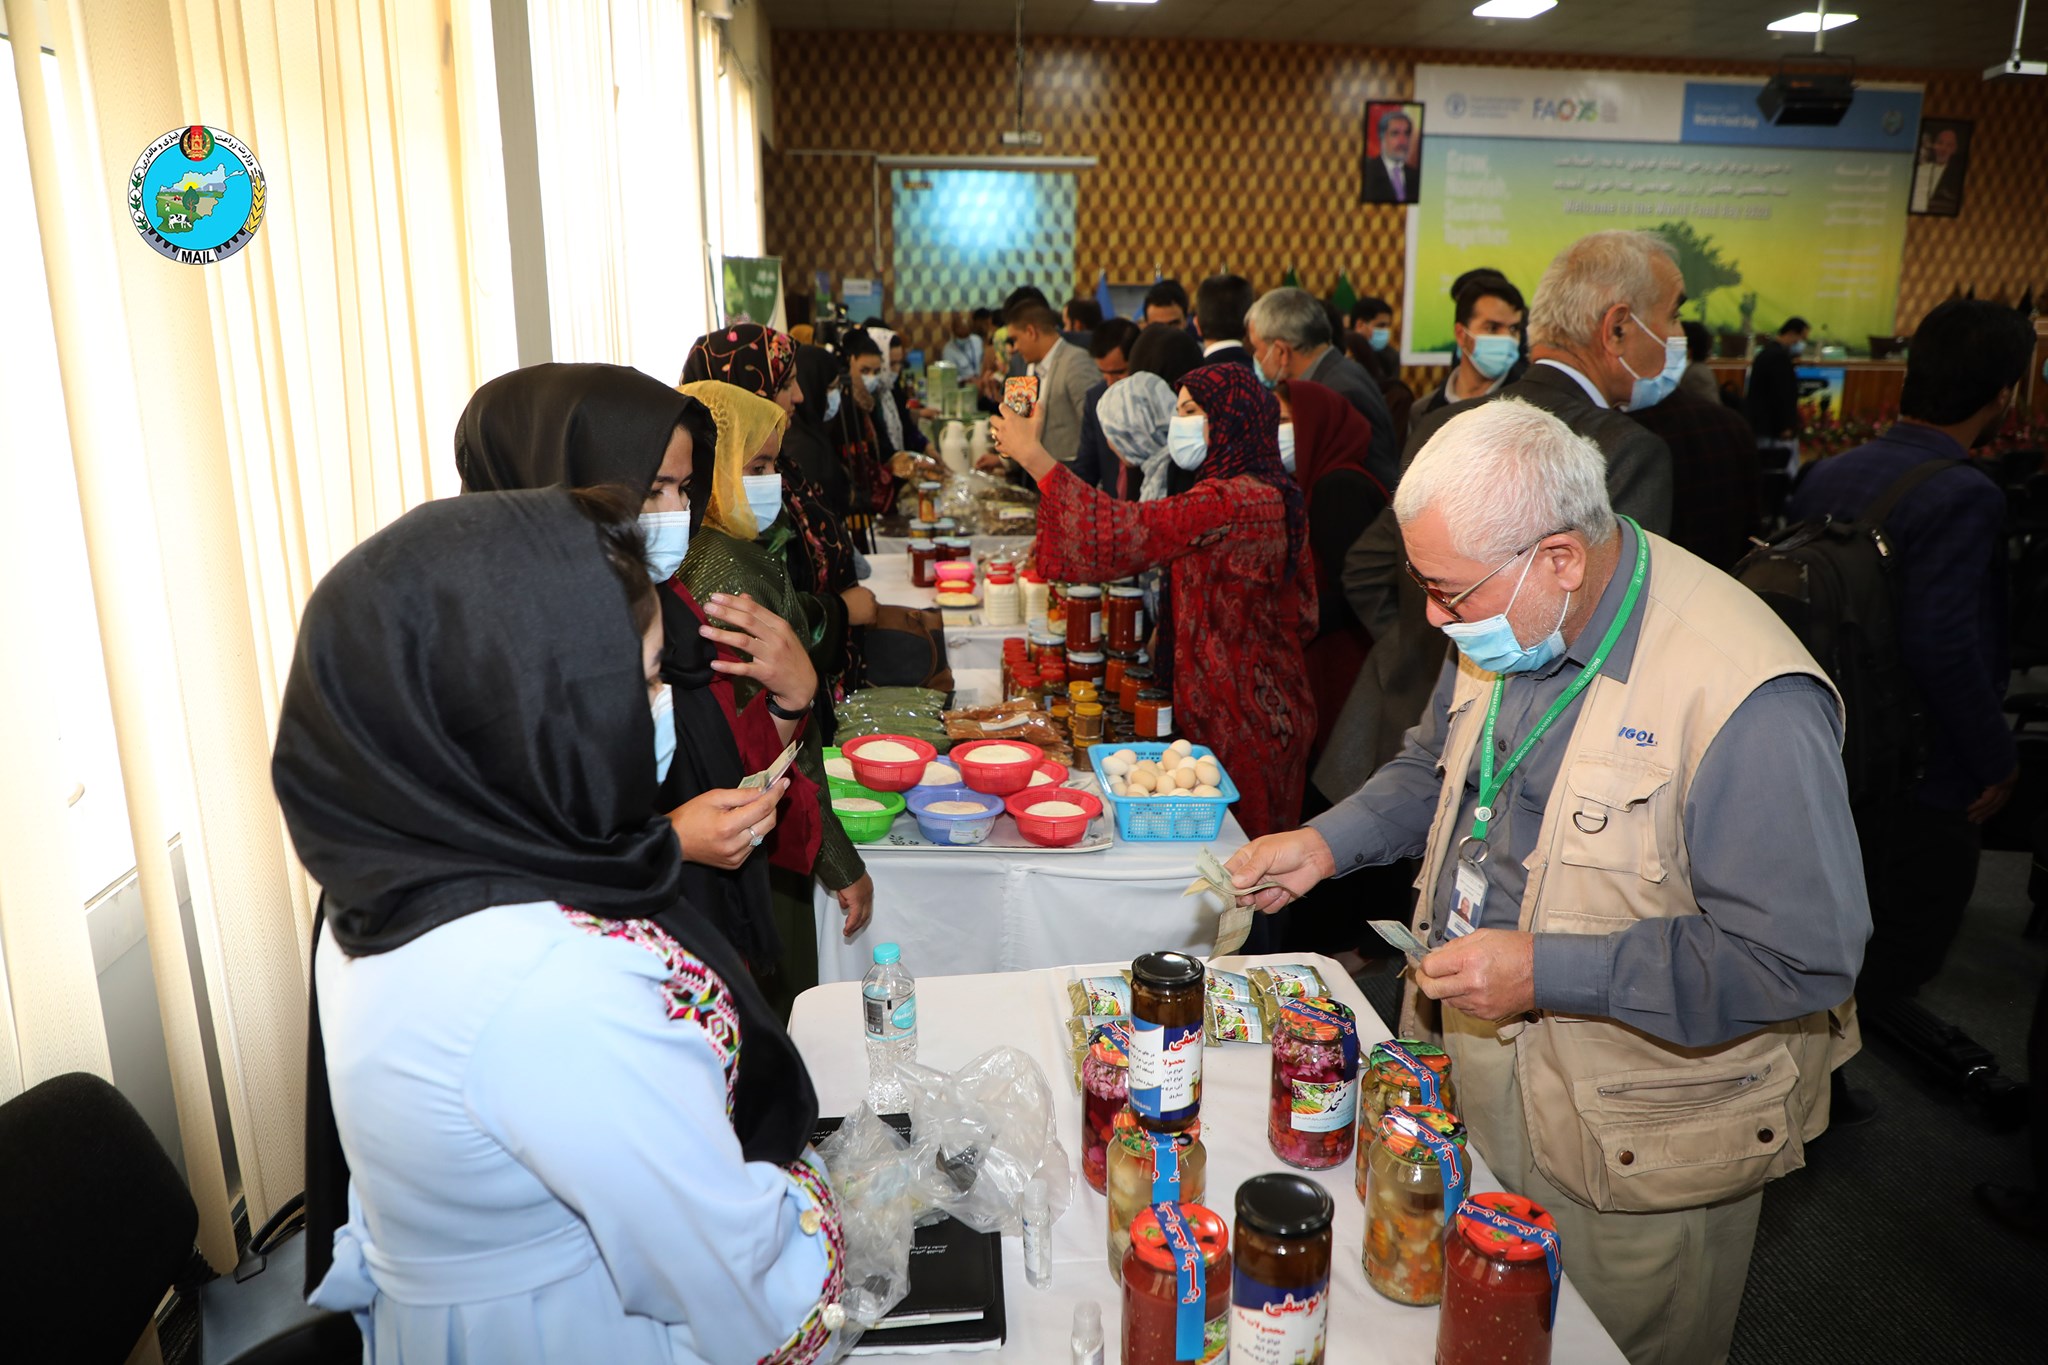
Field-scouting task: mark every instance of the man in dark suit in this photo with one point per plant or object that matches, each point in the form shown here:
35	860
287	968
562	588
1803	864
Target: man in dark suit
1288	336
1220	305
1773	399
1097	463
1603	314
1389	178
1714	503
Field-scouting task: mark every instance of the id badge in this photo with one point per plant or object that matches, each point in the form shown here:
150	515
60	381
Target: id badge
1468	899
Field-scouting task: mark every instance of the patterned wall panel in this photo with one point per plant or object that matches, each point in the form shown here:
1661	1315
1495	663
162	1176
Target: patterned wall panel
1244	155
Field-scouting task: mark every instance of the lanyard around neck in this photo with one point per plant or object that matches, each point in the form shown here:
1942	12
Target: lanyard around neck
1491	782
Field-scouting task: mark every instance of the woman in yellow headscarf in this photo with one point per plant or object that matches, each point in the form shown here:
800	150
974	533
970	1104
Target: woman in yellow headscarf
737	551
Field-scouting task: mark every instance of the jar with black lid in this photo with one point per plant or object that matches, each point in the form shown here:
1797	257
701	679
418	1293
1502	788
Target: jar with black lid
1166	1051
1280	1292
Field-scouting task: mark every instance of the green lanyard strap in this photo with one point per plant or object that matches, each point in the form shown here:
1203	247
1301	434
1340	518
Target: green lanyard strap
1490	782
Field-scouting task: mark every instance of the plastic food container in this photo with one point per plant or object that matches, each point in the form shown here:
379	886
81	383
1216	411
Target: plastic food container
864	827
941	827
1055	770
1052	831
997	779
884	774
1146	819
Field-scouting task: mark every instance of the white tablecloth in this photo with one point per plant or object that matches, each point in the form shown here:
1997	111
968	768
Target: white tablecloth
967	647
960	1017
979	910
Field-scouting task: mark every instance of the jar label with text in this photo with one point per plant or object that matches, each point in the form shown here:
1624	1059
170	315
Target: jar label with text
1323	1106
1271	1326
1166	1069
1165	720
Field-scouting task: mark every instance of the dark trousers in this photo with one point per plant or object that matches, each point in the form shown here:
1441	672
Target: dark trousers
1920	865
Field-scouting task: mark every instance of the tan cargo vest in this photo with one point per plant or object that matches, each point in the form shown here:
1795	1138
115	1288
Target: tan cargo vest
1618	1119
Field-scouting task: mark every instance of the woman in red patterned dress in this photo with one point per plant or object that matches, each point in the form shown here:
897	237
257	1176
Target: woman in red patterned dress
1243	596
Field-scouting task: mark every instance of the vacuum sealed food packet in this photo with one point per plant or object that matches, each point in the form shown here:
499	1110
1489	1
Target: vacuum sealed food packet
1229	985
1105	996
1234	1021
1284	981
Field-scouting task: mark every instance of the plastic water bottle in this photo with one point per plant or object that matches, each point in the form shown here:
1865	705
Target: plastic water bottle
889	1011
1086	1336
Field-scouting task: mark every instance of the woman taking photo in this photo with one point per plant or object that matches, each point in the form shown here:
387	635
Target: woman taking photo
584	425
1243	592
549	1116
738	554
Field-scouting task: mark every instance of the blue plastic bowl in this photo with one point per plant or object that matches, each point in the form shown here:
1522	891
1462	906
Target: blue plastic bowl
940	828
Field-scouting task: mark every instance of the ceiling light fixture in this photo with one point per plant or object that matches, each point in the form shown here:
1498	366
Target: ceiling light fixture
1810	21
1513	9
1126	2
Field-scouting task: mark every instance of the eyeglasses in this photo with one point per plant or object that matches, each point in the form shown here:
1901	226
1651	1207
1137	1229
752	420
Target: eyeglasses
1450	604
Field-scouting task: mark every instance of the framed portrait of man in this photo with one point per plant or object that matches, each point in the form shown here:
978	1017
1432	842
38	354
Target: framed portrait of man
1391	169
1940	164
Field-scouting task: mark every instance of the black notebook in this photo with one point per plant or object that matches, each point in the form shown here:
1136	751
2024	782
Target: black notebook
955	1301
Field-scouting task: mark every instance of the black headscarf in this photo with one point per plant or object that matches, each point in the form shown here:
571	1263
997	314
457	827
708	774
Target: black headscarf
809	443
431	763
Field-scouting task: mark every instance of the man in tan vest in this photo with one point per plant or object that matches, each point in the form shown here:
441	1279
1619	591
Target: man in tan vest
1640	881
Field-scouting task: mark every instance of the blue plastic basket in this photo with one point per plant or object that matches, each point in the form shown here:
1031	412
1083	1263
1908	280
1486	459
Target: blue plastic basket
1163	819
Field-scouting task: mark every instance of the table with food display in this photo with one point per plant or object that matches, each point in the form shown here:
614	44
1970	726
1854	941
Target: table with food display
978	616
1256	1166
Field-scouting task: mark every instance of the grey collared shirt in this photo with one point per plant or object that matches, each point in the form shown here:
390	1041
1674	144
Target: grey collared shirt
1776	869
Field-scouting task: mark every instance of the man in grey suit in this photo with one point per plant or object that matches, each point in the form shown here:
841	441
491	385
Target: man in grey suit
1288	334
1065	374
1600	322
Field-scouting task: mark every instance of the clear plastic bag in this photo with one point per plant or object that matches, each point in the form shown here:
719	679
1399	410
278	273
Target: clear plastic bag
983	1132
870	1165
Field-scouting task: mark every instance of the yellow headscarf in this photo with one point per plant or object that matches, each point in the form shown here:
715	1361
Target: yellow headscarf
745	422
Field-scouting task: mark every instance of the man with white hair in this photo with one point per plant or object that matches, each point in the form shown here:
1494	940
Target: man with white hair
1604	335
1641	887
1288	333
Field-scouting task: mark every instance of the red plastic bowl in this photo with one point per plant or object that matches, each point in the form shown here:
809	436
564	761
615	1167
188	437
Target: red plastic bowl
883	775
1052	831
1053	769
996	779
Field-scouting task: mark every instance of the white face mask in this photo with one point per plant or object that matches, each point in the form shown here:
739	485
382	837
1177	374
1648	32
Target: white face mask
668	540
1287	446
764	498
1187	440
663	707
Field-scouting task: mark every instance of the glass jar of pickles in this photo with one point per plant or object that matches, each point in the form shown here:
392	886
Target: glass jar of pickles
1280	1291
1311	1119
1398	1072
1416	1175
928	501
1046	646
1146	1168
1176	1287
1105	1087
1502	1266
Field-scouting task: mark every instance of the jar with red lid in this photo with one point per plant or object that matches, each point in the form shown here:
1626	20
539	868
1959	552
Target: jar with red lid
1086	666
1123	612
1311	1118
1416	1175
1146	1168
1176	1287
1054	670
1503	1262
1105	1089
1084	617
1137	678
1026	685
1398	1072
1036	599
1152	717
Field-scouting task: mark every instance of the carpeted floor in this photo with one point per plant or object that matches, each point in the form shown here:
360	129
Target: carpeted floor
1844	1271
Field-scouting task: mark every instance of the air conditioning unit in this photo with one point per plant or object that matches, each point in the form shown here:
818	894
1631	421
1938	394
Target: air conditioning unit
1812	99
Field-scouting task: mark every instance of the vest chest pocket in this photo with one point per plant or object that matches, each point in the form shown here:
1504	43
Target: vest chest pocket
1615	815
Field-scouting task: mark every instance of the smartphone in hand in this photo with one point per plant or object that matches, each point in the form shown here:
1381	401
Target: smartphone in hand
1020	394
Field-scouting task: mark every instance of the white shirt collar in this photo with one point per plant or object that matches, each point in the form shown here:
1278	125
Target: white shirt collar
1040	368
1212	347
1584	383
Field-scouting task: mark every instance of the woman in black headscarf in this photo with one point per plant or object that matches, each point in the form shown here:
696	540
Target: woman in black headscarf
559	1120
585	425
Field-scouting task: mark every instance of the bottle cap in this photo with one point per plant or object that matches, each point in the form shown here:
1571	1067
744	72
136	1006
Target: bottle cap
1167	971
886	953
1287	1206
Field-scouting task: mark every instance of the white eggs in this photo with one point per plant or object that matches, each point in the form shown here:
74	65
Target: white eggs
1117	787
1207	790
1182	747
1116	765
1184	778
1140	781
1128	757
1210	774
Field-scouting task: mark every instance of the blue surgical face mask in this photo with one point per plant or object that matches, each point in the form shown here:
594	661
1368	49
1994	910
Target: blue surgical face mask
1271	381
668	540
1287	446
1187	440
764	498
664	709
1797	348
831	405
1493	356
1491	644
1381	338
876	382
1650	390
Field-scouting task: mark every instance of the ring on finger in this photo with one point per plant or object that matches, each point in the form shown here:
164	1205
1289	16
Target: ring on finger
755	839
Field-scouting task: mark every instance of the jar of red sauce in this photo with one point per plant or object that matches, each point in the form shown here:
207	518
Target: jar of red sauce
1123	613
1152	717
1084	617
1500	1283
1176	1286
1115	665
955	547
1087	666
1137	678
923	555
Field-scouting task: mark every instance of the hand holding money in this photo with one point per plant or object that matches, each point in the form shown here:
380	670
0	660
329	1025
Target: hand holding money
1211	876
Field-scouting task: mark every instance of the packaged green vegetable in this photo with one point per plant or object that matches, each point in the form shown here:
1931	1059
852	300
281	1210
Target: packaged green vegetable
1234	1021
1100	995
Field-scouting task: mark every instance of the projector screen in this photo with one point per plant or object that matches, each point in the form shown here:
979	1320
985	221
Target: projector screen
966	238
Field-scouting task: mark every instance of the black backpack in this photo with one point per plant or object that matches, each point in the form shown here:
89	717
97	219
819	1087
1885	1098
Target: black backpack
1835	583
